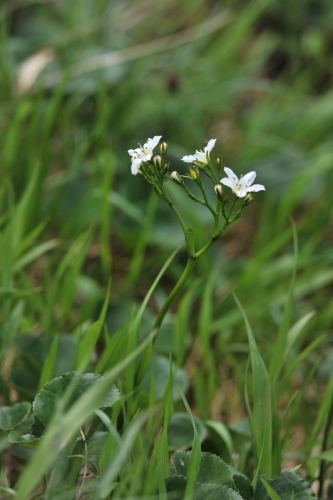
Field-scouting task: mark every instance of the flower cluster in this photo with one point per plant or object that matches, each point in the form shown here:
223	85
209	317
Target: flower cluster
200	160
143	154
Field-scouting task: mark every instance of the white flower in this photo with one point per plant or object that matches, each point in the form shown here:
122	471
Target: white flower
201	156
243	185
144	153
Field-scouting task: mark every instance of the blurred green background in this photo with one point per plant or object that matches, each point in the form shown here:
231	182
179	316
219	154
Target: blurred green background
81	83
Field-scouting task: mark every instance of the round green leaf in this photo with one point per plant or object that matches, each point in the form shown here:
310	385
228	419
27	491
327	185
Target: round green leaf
28	440
12	416
215	492
212	469
45	402
176	485
160	368
180	431
288	485
244	486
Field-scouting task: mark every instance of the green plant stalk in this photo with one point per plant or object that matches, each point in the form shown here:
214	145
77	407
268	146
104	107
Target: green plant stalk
167	304
322	469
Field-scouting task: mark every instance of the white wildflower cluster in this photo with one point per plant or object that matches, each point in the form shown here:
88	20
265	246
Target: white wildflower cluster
240	186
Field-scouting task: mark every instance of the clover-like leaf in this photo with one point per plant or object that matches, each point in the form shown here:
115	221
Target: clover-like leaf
45	402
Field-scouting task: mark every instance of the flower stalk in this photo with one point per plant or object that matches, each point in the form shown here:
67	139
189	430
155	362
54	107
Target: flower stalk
154	170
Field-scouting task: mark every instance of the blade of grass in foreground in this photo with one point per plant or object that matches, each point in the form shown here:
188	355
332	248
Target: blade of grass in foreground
262	414
195	458
281	342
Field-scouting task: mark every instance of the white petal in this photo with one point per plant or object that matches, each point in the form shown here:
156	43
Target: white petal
257	187
136	162
200	156
133	152
231	174
228	182
210	145
240	192
189	158
247	179
154	141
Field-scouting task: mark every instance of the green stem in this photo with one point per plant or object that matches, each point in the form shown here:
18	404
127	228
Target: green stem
167	304
208	205
192	196
324	448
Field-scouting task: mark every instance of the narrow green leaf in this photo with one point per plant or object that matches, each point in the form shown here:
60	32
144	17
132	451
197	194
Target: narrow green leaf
49	364
195	458
34	254
272	493
87	345
281	342
262	415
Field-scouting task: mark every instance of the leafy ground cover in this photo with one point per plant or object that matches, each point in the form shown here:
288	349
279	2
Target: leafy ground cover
233	392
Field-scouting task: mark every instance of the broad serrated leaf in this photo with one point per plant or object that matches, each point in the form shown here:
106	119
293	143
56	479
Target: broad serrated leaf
212	469
12	416
27	440
243	486
287	486
176	485
46	400
215	492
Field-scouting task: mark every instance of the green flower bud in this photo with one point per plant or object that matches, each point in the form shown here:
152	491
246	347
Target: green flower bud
248	199
218	191
157	161
175	177
164	148
219	161
166	167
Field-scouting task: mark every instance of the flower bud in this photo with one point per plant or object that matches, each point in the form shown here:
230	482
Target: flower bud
157	161
175	177
164	148
218	191
166	167
226	199
248	199
193	174
219	161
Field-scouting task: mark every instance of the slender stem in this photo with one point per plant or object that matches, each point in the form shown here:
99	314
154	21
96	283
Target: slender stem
192	196
167	304
323	448
179	217
208	205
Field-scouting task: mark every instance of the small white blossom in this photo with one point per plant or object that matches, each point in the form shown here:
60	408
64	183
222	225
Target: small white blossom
144	153
201	156
243	185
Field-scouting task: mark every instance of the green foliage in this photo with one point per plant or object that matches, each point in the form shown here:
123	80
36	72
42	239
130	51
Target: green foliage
12	416
286	486
85	272
76	384
217	480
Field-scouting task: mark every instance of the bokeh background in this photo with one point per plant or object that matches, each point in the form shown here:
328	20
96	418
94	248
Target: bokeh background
83	81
